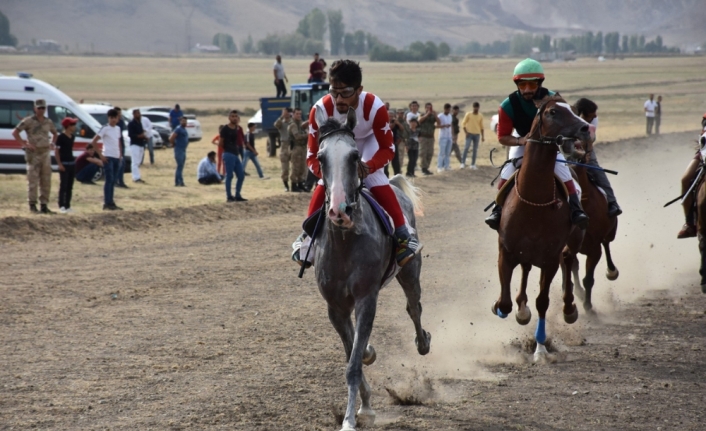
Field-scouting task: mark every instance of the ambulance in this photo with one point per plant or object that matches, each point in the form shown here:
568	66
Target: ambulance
17	96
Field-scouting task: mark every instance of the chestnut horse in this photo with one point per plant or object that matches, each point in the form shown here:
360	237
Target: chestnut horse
535	223
600	232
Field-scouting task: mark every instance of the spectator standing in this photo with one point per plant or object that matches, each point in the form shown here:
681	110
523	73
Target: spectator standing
427	126
219	155
206	172
412	147
110	136
120	175
87	165
316	70
231	140
298	136
443	162
402	135
64	154
399	134
413	111
285	152
658	114
174	116
147	127
280	77
137	145
473	126
650	106
180	140
455	130
37	148
250	153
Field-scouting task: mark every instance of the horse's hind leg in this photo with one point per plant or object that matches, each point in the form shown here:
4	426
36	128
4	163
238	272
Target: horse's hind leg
612	272
523	315
592	258
364	316
506	264
409	280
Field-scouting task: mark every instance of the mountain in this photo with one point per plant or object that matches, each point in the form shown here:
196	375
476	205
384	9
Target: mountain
167	26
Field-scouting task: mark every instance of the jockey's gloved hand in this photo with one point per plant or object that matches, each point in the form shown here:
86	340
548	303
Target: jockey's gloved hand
363	170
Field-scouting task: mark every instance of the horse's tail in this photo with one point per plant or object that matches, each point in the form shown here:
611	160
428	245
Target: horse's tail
413	193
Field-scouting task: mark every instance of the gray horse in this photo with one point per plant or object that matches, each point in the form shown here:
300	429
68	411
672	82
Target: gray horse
353	253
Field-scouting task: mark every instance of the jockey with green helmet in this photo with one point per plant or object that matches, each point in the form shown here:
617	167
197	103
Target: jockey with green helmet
517	112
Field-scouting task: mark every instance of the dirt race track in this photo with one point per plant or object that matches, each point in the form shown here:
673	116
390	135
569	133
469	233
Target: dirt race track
194	318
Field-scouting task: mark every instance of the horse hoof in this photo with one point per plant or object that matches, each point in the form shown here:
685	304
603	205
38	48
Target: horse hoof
369	355
365	417
347	427
523	315
587	307
540	353
424	348
496	311
573	317
612	275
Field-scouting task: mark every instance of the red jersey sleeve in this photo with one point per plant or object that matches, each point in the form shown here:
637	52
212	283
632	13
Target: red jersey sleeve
386	144
504	124
313	145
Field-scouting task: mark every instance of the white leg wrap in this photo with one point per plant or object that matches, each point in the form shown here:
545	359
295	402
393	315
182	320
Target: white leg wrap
306	244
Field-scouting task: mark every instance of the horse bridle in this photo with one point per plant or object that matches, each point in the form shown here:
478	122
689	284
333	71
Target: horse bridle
356	196
546	140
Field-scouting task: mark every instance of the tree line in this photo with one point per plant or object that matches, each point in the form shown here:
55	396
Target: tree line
587	43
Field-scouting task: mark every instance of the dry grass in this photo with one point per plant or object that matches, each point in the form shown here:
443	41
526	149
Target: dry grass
618	86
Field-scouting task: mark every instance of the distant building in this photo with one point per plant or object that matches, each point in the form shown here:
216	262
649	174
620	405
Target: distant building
43	46
7	48
211	49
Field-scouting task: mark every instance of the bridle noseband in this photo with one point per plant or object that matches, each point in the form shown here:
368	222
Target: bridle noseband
547	140
356	197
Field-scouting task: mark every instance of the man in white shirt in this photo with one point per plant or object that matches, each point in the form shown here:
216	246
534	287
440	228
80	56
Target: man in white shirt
147	127
650	107
110	136
280	77
445	139
413	111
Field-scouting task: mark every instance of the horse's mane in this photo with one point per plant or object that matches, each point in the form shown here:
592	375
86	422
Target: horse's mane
541	105
331	125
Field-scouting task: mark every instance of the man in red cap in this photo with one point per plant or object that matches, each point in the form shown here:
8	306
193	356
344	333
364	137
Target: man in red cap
64	154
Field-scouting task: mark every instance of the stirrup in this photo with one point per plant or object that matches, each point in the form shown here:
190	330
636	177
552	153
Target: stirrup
493	220
687	231
406	250
580	219
614	209
296	255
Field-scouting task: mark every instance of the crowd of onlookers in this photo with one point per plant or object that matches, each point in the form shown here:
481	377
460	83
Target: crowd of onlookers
414	133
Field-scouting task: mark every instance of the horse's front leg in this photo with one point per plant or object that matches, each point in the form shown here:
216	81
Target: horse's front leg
571	313
523	315
364	315
409	280
506	264
592	258
542	304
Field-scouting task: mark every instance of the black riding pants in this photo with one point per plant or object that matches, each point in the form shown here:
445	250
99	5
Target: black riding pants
600	178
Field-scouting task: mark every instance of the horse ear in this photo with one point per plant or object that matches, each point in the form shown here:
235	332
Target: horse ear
320	116
351	119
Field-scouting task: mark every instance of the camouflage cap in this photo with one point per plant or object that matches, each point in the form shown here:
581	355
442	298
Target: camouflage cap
40	103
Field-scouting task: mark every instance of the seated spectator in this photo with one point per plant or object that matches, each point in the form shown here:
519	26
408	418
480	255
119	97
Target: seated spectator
87	165
206	173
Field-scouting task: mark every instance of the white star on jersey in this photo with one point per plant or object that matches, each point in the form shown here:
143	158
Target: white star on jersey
312	131
386	128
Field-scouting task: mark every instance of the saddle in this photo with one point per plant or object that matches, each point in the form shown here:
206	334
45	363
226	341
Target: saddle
383	218
510	184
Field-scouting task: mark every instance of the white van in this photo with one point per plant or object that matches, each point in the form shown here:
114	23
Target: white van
17	96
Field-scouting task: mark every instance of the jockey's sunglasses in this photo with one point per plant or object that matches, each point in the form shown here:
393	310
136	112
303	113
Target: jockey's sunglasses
345	92
529	85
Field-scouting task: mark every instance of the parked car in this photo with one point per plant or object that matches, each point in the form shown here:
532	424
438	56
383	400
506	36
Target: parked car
17	96
100	113
159	115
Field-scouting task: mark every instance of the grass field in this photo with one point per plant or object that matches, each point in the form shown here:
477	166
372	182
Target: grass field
618	86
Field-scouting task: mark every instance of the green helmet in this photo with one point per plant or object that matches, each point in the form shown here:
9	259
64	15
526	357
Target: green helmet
528	69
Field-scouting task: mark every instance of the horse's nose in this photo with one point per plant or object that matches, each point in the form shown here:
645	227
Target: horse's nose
341	215
584	129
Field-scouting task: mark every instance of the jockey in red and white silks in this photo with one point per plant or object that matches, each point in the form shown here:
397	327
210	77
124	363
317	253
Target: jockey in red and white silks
373	138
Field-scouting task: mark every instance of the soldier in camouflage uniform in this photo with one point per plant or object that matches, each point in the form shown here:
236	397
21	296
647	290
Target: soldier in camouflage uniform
298	136
285	152
37	149
427	125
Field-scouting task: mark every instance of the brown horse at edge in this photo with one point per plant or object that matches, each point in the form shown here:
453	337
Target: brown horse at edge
535	225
